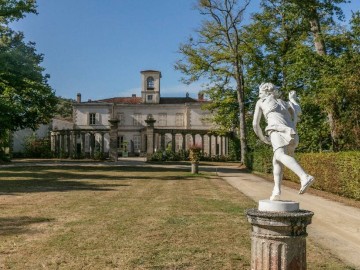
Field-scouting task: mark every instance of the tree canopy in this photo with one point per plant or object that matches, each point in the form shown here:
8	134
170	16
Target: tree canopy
216	54
297	45
26	98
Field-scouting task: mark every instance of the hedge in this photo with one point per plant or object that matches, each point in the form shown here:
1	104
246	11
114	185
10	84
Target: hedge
338	173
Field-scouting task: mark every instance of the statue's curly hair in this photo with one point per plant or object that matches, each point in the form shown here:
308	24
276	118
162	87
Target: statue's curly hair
267	87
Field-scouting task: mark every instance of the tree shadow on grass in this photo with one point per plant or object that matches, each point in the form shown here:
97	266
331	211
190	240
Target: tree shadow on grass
51	185
45	179
19	225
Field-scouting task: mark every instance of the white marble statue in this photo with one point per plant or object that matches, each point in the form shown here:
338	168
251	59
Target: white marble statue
281	118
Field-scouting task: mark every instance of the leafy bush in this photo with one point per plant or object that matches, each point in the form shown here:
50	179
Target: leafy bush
260	159
234	148
157	156
338	173
195	153
37	147
169	155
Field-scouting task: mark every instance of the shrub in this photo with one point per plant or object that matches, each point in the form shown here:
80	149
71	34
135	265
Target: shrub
37	147
260	159
195	153
338	173
234	148
157	156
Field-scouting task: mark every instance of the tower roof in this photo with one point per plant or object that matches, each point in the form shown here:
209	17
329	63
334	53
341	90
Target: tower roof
150	70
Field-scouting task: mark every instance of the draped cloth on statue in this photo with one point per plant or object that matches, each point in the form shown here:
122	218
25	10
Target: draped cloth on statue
280	125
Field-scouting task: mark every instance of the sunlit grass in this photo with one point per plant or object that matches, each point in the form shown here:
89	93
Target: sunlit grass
125	218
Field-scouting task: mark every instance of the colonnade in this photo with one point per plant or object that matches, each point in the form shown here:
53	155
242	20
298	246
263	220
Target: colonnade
83	143
78	143
210	144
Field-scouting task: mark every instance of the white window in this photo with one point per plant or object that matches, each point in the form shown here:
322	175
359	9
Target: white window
137	142
179	120
121	119
162	119
92	118
149	97
150	83
137	119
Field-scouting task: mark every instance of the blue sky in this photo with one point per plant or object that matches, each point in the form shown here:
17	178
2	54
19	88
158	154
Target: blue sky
99	47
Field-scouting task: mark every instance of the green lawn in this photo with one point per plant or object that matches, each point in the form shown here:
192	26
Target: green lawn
126	218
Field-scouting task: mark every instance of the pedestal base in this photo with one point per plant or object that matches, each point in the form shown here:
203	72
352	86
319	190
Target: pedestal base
278	206
194	168
278	239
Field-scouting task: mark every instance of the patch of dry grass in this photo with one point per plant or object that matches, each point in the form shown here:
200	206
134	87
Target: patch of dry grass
92	217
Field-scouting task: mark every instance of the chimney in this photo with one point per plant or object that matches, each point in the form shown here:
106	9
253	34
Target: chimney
200	96
133	95
78	98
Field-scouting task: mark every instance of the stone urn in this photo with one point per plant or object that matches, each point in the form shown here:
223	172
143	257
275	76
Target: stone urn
194	156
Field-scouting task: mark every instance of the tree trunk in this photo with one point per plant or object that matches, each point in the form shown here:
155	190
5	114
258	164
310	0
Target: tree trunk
333	132
242	125
320	49
315	29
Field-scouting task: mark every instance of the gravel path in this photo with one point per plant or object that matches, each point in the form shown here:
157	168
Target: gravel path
334	225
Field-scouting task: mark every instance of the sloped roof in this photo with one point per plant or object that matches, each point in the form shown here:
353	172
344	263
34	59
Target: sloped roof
138	100
122	100
177	100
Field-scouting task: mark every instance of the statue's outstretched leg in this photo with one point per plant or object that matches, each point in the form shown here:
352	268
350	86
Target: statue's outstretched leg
278	175
290	162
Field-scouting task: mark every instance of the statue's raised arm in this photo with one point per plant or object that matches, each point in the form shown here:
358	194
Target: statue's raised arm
295	107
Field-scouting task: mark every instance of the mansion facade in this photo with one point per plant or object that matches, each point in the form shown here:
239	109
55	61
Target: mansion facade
138	125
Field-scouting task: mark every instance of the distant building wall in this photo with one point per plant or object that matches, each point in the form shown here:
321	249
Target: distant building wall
20	136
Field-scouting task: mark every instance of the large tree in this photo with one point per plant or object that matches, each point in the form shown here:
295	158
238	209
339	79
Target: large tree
298	45
26	98
215	54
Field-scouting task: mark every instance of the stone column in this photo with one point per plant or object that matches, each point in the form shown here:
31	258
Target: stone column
183	141
162	142
217	145
202	144
52	138
173	141
226	145
92	145
150	121
220	145
68	144
278	239
210	146
62	144
57	144
102	143
83	148
113	152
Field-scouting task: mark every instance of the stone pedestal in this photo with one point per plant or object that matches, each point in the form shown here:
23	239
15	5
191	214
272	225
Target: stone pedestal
278	239
113	152
150	121
194	167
